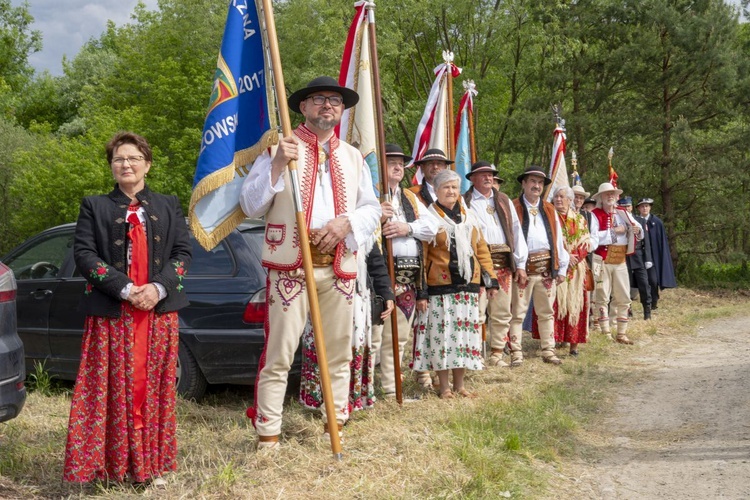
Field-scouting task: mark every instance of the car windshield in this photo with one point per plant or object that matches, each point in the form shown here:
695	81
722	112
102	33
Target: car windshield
254	239
43	259
216	262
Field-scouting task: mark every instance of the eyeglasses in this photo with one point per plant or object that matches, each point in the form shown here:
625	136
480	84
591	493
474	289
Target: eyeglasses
319	100
130	159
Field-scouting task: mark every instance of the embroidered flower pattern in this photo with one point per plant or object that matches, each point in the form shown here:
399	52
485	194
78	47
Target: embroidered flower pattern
450	336
100	273
179	270
89	289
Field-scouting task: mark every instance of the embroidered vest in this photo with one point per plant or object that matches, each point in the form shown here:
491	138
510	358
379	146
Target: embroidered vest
549	215
281	250
423	193
605	223
409	205
501	202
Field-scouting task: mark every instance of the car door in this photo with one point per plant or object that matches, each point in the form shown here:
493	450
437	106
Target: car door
37	266
66	321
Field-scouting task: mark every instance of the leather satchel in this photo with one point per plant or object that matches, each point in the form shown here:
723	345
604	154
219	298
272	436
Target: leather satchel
377	308
406	269
588	282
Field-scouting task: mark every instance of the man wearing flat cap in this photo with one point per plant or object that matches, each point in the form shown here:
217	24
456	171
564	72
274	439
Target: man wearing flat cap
616	233
499	223
432	162
341	212
639	263
661	275
546	266
407	223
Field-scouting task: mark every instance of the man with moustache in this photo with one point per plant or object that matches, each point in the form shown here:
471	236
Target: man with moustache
341	212
616	233
432	162
502	231
546	266
407	223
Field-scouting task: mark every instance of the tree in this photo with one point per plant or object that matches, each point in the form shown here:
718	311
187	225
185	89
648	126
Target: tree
17	42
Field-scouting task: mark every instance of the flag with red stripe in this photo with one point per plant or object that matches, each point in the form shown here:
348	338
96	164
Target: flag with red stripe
432	131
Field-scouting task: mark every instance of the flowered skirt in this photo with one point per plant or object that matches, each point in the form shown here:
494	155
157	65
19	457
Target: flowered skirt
103	442
362	366
449	334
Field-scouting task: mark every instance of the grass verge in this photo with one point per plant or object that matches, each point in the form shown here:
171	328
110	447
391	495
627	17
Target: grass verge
510	442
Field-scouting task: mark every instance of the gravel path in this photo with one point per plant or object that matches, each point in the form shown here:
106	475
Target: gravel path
684	432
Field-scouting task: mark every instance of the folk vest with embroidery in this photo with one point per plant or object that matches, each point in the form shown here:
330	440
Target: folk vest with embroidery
605	223
549	216
501	203
281	250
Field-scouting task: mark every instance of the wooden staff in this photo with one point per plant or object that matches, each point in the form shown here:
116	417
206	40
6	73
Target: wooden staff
472	137
385	191
312	291
451	149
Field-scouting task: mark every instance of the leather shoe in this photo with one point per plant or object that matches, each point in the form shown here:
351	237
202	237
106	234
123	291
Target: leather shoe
553	360
623	339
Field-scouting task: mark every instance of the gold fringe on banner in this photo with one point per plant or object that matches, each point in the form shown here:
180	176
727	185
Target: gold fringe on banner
220	178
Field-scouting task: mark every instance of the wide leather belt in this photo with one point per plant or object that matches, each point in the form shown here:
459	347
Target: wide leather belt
406	269
539	263
500	254
616	254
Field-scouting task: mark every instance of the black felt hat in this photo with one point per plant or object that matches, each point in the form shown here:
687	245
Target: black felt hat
395	150
484	166
534	170
433	154
321	84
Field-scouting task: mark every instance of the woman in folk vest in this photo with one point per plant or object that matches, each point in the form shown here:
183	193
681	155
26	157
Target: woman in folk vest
448	328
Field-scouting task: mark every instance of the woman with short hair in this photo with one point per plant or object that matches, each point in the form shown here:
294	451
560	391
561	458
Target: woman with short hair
133	247
448	331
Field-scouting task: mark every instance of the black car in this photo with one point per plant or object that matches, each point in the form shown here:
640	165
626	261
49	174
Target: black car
12	370
221	332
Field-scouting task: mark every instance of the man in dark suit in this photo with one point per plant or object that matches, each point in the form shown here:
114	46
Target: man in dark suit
639	263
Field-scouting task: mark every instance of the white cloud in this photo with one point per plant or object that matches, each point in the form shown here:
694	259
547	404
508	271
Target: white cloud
66	25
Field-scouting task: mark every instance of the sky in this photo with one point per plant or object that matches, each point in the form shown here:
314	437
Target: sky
67	24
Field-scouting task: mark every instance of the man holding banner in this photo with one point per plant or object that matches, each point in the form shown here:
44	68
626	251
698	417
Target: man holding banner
341	212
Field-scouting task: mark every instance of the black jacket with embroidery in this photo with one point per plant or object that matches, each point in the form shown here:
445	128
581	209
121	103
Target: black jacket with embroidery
101	244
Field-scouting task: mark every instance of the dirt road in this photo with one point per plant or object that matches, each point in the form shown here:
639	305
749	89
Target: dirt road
683	432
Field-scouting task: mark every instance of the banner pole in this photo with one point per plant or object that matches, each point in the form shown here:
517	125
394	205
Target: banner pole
385	192
449	89
312	291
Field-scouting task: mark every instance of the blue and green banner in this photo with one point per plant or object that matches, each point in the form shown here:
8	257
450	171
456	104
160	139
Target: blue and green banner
240	124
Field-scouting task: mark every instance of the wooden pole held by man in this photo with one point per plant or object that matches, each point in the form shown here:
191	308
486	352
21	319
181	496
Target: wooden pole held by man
307	265
385	191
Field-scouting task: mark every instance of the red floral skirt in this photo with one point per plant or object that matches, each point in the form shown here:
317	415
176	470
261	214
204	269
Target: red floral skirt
103	442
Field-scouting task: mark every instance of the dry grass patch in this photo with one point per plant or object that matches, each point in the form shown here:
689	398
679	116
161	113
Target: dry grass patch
515	439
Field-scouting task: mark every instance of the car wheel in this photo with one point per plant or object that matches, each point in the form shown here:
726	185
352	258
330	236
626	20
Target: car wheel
191	384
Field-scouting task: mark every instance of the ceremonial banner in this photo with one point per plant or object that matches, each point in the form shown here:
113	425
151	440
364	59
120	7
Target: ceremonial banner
240	124
432	131
558	171
463	137
358	124
612	174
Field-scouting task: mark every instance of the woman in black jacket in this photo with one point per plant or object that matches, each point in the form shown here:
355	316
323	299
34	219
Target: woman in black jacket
132	246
